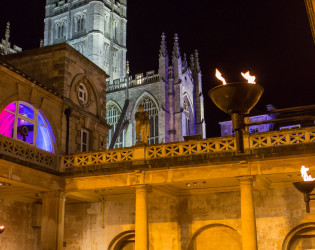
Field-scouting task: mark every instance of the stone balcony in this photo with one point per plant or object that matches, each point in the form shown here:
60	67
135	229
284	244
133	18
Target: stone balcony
223	149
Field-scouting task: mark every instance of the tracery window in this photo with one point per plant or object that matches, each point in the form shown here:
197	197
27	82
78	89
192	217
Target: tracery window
151	108
187	117
112	118
60	28
20	120
80	23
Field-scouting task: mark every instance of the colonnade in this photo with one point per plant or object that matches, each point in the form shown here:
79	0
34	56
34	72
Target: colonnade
53	210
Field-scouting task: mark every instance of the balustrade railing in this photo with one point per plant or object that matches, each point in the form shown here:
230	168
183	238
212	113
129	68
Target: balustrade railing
132	83
28	153
183	148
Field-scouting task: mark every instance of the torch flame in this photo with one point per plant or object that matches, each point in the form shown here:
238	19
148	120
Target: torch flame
305	176
2	227
219	76
249	78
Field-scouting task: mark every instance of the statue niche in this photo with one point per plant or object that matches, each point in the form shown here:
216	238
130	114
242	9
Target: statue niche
142	125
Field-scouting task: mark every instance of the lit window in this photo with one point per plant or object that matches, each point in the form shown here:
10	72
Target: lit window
112	118
139	79
84	140
20	120
83	94
151	108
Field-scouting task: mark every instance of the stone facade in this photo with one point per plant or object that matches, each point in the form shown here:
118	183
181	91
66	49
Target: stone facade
174	96
310	7
181	195
97	29
175	92
59	70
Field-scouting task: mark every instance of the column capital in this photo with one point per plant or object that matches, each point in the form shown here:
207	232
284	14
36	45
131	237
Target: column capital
246	178
142	187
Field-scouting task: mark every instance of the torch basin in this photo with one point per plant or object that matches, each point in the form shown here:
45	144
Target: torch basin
238	97
305	187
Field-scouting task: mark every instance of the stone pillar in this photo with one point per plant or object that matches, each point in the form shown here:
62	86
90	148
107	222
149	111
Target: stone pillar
249	235
52	226
141	241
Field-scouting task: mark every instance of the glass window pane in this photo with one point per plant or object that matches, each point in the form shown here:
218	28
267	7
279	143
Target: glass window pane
6	123
41	120
25	131
43	140
26	111
11	107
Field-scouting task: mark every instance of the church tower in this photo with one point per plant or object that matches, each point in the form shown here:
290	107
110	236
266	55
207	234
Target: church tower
97	29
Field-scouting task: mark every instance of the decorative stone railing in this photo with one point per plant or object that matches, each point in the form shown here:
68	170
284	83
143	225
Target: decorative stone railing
27	153
132	83
178	149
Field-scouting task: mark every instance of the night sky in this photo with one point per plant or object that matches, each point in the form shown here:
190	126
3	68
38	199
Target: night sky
270	38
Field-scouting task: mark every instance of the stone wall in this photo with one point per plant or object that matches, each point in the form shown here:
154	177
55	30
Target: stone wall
188	222
19	233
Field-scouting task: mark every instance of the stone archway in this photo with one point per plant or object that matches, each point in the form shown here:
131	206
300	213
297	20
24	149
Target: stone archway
216	237
300	237
123	241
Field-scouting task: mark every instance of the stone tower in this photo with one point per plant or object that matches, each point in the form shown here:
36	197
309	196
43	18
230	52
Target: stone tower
97	29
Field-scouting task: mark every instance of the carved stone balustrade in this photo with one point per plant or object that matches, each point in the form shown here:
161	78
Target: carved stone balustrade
189	148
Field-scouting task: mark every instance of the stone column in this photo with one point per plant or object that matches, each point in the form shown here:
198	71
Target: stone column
249	235
141	241
52	226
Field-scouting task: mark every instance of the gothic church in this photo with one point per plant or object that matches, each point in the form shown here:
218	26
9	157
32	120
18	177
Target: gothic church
172	96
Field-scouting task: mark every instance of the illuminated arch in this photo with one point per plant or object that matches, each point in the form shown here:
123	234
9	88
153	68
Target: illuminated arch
121	239
151	106
298	231
22	121
235	237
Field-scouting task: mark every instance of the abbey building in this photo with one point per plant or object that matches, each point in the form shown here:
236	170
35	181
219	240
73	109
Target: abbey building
172	95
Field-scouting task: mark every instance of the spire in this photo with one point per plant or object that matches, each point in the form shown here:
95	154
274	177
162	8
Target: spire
192	62
6	42
163	49
176	51
7	32
185	60
197	65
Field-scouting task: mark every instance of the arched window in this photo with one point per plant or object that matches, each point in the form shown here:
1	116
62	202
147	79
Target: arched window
80	23
60	30
83	94
151	108
187	117
20	120
112	118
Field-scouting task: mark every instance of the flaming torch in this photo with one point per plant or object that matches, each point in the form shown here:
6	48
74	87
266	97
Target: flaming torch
237	99
2	228
219	76
306	187
249	78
